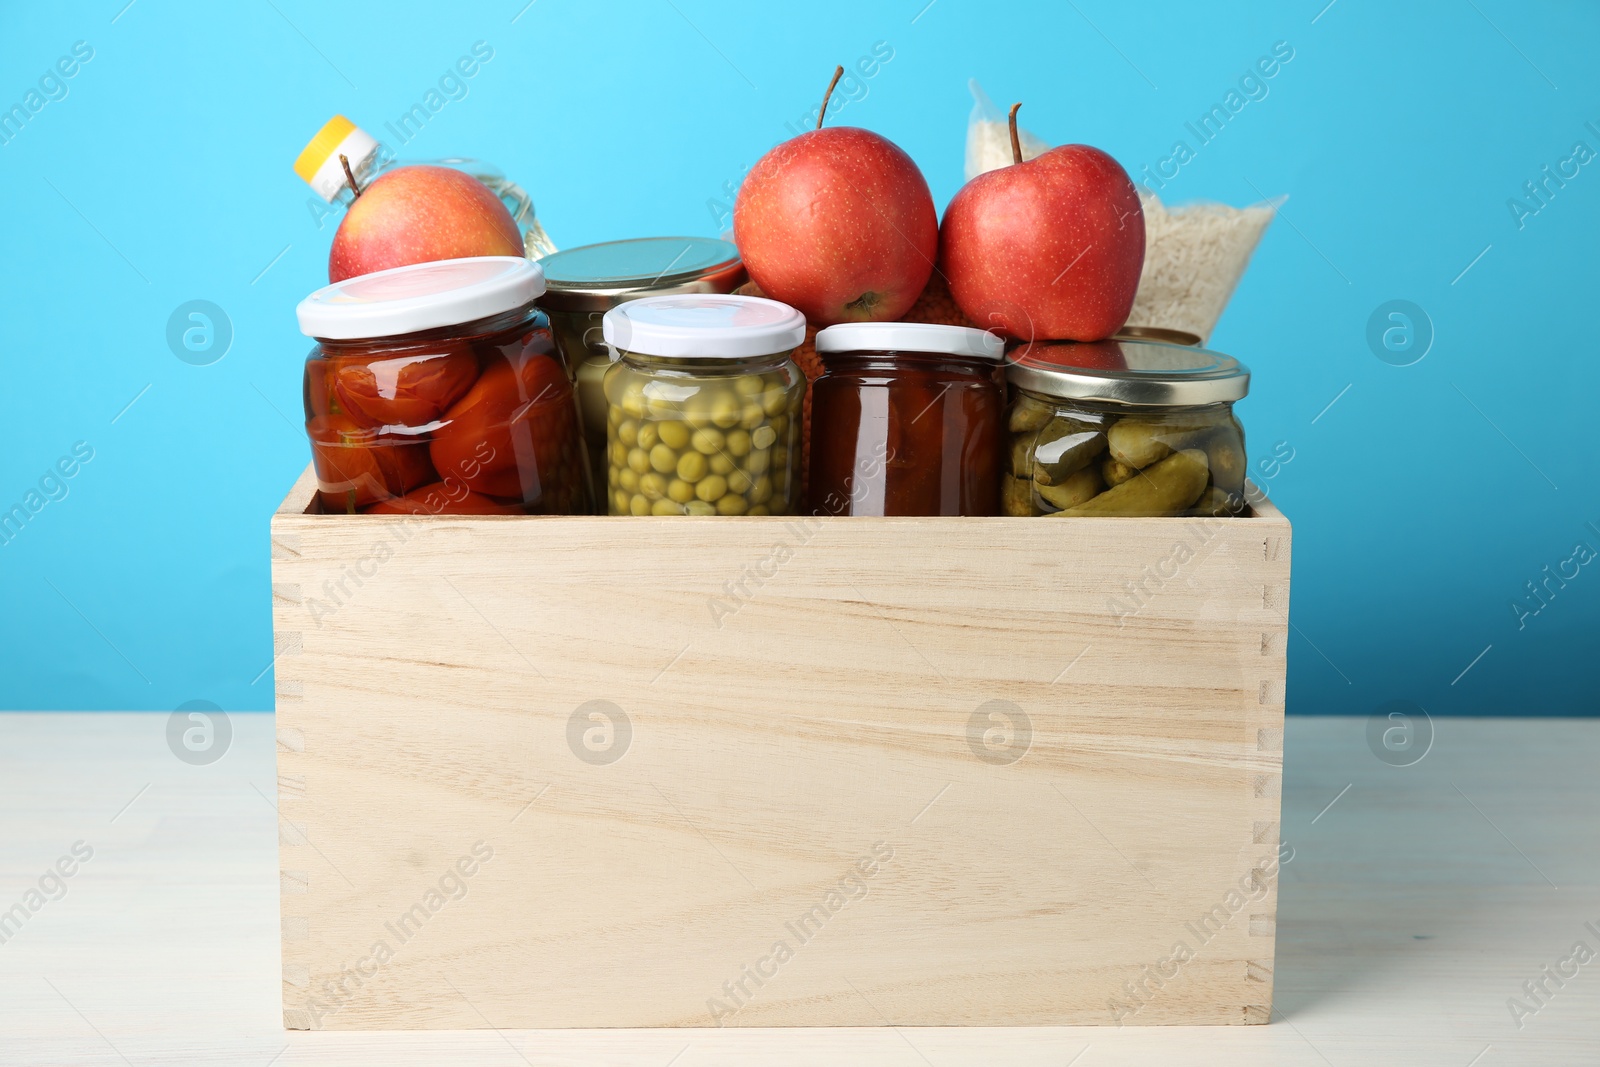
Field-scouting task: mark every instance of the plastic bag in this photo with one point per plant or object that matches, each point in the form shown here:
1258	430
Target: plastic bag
1194	256
989	136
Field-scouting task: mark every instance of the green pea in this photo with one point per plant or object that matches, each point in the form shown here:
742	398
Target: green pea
628	478
763	437
639	459
663	459
674	434
638	505
738	443
711	487
619	502
739	481
725	410
708	440
722	463
732	504
628	432
774	400
761	490
666	507
758	462
758	509
697	410
653	485
699	507
691	466
751	416
680	490
749	385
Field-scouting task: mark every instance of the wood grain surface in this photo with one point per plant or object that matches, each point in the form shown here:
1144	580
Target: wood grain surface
599	772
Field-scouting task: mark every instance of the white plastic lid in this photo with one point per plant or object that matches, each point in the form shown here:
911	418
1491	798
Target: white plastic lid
911	337
420	296
704	325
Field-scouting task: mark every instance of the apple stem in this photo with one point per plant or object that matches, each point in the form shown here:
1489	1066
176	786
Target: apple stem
1016	142
838	72
344	161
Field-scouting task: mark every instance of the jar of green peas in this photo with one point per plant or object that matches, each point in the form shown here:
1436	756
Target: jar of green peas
703	406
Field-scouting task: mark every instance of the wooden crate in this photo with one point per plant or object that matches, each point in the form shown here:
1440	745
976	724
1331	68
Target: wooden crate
597	772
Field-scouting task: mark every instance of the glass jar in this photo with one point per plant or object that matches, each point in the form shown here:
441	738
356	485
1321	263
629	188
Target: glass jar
906	419
582	284
436	388
1131	428
703	406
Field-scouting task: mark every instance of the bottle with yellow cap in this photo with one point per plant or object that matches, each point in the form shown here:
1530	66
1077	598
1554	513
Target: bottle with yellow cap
342	152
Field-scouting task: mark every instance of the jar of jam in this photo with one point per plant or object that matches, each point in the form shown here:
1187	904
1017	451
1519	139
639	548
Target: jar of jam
435	388
703	406
1130	428
906	419
582	284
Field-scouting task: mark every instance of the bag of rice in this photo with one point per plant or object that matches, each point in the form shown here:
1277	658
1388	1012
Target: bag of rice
989	136
1194	255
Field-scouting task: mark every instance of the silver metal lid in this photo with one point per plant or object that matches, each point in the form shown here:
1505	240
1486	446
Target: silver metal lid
1143	373
1158	333
598	277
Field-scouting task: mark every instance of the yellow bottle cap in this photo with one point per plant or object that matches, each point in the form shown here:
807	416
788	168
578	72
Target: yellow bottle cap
318	163
321	147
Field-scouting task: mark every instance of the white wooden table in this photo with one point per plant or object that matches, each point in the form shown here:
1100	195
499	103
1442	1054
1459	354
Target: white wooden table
1418	902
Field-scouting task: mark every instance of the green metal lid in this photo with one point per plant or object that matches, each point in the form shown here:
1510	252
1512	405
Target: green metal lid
600	276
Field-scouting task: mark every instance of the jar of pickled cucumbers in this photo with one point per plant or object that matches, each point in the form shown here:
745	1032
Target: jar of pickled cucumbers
1132	428
703	406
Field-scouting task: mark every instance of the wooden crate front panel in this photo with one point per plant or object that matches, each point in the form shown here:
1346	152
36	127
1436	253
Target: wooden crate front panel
812	752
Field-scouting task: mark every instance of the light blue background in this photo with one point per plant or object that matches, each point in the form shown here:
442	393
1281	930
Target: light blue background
1423	500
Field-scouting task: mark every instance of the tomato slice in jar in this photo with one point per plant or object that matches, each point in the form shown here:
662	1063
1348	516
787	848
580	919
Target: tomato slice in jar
356	465
442	498
513	433
409	390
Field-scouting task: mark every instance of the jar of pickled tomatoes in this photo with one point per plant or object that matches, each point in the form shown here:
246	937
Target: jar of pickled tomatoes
435	388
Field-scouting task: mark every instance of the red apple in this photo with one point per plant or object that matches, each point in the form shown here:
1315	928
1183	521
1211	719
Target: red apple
417	215
1048	248
838	223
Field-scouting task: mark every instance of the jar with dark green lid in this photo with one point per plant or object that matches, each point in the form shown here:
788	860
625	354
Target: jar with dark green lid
583	283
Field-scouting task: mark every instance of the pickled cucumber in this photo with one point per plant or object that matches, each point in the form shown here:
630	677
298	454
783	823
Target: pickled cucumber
1063	448
1029	414
1140	442
1073	490
1115	472
1168	487
1016	496
1216	502
1225	453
